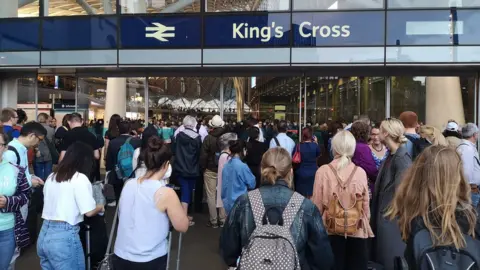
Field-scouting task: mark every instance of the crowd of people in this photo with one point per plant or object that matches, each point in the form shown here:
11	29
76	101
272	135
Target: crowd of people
335	196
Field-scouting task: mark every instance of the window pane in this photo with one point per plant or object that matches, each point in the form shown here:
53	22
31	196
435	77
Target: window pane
433	27
247	5
432	3
75	8
336	4
159	6
19	8
435	99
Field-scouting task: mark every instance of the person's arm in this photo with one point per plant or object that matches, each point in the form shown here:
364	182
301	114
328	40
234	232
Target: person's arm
363	158
62	155
317	197
9	204
96	154
136	154
468	160
107	142
205	149
83	194
319	251
110	159
401	165
248	178
231	238
167	201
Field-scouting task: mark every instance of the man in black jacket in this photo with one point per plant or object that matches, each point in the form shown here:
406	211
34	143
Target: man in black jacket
187	154
209	165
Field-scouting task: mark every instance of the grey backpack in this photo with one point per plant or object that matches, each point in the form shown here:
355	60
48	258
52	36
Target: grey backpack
271	246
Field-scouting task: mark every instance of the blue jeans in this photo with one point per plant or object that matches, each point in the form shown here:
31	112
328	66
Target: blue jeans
59	247
42	169
475	199
7	247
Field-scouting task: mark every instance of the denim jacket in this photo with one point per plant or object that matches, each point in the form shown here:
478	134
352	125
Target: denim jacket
308	233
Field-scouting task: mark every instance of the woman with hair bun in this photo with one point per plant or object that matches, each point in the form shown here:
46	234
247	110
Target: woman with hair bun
147	206
388	242
236	176
307	230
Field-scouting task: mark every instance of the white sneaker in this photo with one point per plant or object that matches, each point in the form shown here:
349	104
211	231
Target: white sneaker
112	204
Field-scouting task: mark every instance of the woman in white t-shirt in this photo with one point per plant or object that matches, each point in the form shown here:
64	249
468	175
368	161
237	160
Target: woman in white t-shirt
67	196
146	207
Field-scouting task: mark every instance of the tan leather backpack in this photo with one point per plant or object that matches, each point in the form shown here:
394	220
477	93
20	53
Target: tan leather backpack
344	210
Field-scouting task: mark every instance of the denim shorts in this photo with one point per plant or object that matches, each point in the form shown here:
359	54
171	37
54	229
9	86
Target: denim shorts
59	246
7	247
187	185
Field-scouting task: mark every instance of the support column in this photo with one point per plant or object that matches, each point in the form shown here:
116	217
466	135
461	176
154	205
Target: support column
443	101
239	85
8	93
9	9
116	98
222	99
388	92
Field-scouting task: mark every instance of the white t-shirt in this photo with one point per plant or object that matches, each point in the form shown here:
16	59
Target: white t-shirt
69	200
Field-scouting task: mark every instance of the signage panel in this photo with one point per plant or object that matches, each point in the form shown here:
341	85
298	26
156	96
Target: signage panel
272	30
79	33
160	31
433	27
62	106
20	35
338	29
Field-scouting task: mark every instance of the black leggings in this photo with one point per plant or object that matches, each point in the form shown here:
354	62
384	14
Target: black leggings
157	264
350	253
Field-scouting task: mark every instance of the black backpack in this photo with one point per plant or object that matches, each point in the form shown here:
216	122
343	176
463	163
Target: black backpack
419	144
444	257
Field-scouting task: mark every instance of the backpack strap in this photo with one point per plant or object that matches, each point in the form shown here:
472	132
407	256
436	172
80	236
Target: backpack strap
128	140
342	184
277	142
292	209
258	209
14	150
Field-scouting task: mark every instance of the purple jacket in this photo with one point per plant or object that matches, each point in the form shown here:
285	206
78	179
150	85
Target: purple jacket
363	158
14	203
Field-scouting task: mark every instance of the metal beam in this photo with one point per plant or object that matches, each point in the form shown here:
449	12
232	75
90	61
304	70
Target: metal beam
86	7
107	7
255	5
177	6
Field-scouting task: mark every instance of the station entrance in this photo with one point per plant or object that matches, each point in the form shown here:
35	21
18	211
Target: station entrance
301	100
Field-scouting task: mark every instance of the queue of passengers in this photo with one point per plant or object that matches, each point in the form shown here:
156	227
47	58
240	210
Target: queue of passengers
360	196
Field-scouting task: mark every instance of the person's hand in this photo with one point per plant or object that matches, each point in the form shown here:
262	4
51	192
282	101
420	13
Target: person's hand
3	201
37	181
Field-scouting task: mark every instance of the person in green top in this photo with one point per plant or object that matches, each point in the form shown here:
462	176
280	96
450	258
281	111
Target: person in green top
167	132
14	193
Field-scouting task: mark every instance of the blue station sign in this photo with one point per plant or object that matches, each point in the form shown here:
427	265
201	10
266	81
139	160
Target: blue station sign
247	30
160	32
338	29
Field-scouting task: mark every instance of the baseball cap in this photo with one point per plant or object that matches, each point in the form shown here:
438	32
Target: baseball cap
452	126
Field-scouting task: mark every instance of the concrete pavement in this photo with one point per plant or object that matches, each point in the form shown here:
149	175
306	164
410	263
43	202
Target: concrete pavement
199	248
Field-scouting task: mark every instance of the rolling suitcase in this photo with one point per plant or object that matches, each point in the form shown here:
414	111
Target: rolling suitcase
87	244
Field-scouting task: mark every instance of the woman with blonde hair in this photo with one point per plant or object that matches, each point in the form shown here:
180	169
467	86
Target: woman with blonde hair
343	181
308	233
388	243
433	135
434	196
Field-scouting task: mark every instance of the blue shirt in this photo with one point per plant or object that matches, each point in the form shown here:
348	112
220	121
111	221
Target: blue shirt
409	144
236	180
22	152
285	142
9	129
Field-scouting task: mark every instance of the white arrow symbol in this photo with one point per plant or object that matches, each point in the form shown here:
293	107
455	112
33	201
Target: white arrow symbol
159	33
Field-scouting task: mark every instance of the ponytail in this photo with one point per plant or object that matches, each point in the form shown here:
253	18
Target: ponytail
343	162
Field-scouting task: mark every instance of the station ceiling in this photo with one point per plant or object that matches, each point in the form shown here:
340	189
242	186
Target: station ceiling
30	8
